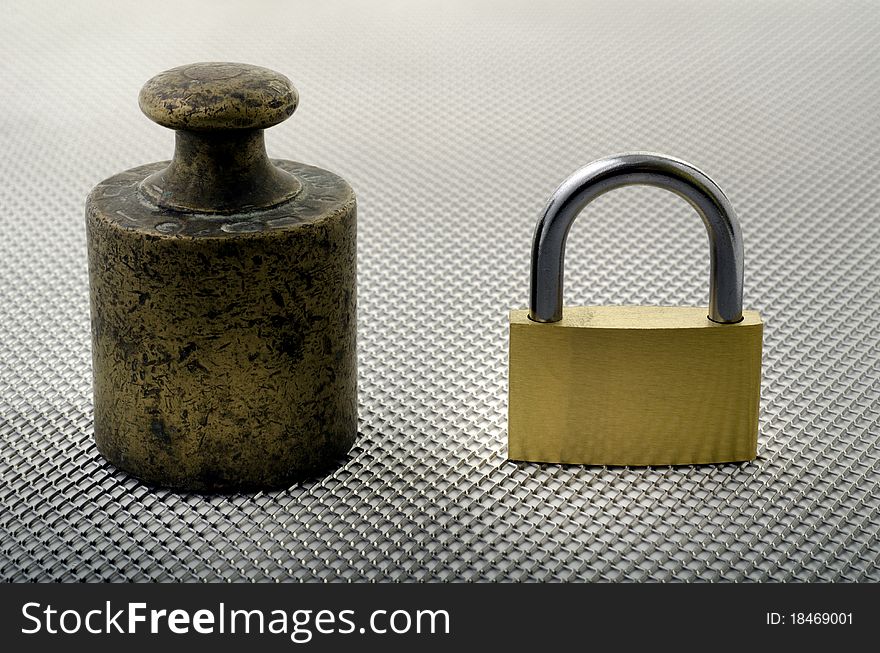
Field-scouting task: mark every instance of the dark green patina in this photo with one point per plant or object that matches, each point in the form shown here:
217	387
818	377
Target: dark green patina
223	296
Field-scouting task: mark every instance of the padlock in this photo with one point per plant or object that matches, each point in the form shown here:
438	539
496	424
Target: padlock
635	385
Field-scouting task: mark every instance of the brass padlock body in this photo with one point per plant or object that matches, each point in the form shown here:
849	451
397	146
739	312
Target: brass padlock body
634	385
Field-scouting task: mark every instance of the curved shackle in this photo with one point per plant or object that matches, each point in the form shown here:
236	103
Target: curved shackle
599	177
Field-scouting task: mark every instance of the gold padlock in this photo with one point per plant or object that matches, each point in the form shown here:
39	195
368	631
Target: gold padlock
635	385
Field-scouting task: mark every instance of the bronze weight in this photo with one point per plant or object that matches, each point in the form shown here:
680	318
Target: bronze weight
223	295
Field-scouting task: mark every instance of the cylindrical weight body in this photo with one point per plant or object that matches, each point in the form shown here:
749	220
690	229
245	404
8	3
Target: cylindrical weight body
224	345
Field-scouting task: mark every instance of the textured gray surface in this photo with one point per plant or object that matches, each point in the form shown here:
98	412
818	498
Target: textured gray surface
454	122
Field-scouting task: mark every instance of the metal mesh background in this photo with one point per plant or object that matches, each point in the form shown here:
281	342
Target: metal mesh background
454	122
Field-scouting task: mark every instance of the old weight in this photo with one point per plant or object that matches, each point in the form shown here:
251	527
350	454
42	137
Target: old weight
222	295
635	385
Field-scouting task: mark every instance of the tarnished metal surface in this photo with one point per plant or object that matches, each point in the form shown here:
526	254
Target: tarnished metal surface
223	296
224	347
212	95
455	123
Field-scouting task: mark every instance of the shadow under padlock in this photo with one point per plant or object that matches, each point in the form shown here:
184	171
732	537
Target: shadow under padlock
635	385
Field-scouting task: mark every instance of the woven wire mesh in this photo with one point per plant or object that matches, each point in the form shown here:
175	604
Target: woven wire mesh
454	122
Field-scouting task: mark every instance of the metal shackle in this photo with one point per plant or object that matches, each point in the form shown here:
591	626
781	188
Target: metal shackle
599	177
